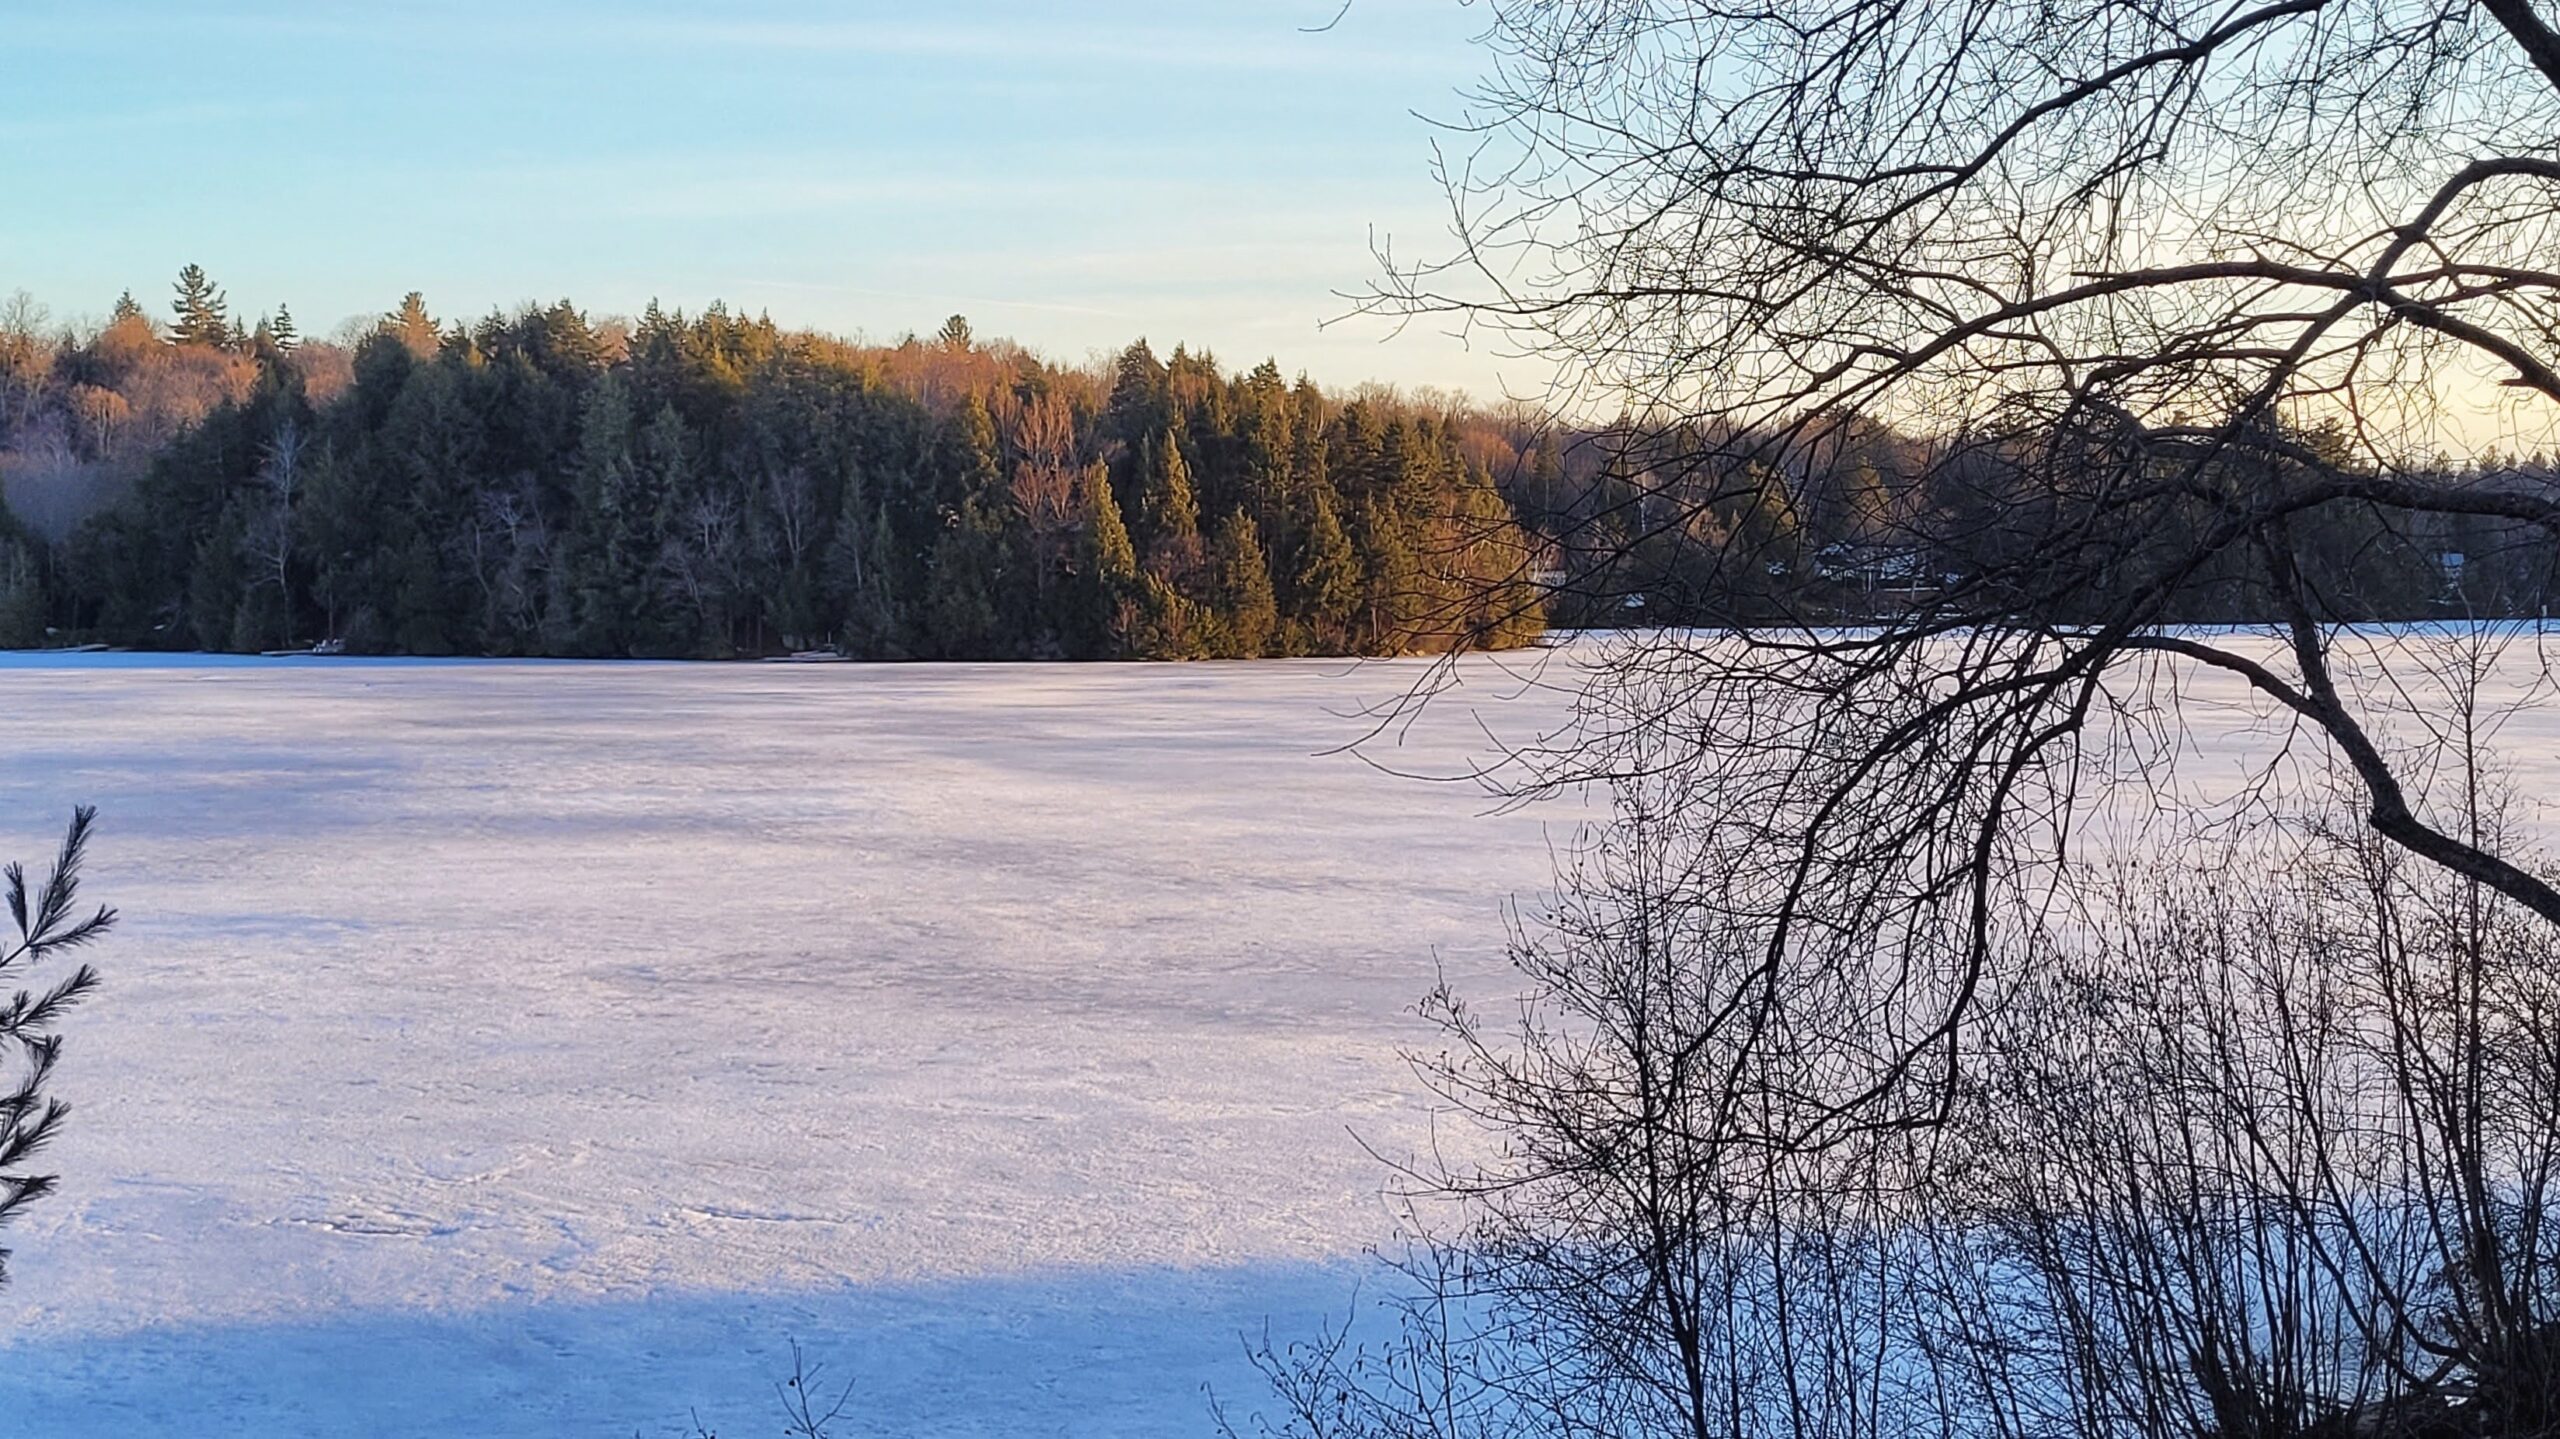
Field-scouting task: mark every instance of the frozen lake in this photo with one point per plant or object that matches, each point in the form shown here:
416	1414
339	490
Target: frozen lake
534	1049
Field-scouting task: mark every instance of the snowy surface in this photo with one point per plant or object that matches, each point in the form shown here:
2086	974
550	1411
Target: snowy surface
534	1049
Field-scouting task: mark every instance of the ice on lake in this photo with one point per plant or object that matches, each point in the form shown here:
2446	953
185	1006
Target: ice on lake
517	1049
536	1048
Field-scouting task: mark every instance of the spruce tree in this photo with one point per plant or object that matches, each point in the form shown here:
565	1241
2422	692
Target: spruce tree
1108	564
282	332
1391	593
1325	592
1110	555
1166	624
1168	514
1140	403
1247	615
604	549
413	327
861	570
127	308
962	618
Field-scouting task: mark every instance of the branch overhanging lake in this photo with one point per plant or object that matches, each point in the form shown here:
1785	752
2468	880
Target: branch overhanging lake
2175	307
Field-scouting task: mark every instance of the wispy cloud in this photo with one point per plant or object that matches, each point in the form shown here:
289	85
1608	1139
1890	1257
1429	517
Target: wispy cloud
1273	46
935	297
1270	39
691	186
145	119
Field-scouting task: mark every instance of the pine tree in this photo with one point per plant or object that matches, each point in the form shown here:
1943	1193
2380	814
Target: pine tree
282	332
203	313
1246	613
127	308
954	334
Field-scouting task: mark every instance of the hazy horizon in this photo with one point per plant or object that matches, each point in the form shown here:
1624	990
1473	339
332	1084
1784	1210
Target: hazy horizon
1209	176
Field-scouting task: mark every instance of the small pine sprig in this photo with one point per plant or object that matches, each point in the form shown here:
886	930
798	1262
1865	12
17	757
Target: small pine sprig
47	923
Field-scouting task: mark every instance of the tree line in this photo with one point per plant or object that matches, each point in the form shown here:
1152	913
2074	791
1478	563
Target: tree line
546	483
540	483
1701	524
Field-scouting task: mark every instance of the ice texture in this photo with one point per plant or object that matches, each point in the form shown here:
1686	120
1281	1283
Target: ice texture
528	1049
535	1048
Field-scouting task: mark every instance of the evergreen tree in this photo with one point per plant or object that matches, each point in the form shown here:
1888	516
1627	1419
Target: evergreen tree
954	334
1391	594
127	308
203	313
1546	479
1140	406
1168	518
413	327
1248	617
1108	564
281	330
1325	593
962	607
977	469
866	572
22	598
862	567
216	580
1166	624
609	556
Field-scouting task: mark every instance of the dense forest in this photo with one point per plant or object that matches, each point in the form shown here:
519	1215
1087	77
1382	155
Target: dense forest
713	485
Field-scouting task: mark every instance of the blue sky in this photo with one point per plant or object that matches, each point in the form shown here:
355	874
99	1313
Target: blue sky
1071	175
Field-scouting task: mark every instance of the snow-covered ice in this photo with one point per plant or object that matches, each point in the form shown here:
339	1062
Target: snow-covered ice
534	1049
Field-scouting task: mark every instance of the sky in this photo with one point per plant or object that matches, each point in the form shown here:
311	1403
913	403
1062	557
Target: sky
1071	176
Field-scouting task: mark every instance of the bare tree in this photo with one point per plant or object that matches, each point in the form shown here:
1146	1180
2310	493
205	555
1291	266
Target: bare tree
1913	1061
267	541
2162	300
702	558
27	349
1045	473
2256	1136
